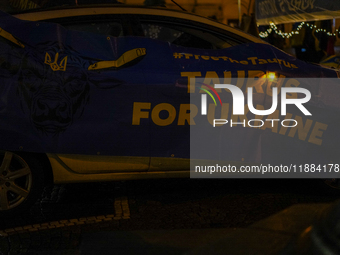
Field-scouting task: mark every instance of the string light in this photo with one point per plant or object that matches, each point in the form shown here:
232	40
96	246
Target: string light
273	28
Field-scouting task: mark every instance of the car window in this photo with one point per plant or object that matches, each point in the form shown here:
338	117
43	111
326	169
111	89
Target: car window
111	25
187	36
104	28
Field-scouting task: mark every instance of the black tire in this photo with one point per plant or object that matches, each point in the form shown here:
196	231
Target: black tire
22	180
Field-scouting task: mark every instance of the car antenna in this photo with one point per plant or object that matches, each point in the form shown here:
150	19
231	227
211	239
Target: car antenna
179	5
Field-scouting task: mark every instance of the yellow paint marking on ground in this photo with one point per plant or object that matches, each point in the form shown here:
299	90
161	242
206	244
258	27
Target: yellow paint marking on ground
59	224
122	209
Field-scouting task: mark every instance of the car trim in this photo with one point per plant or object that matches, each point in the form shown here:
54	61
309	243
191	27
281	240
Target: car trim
62	175
96	164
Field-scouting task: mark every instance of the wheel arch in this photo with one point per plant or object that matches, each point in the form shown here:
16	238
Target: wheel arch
43	159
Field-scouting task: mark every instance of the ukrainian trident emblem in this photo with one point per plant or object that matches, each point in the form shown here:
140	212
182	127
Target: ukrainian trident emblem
54	65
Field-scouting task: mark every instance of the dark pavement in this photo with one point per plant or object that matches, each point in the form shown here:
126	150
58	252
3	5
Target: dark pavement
169	217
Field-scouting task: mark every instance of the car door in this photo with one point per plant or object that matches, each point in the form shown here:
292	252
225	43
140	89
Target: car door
78	83
179	55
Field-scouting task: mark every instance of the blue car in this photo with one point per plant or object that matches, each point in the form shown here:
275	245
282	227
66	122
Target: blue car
102	93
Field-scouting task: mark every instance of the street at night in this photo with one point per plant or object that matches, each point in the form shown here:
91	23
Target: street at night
63	220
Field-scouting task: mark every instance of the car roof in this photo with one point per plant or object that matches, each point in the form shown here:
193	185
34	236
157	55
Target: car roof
64	12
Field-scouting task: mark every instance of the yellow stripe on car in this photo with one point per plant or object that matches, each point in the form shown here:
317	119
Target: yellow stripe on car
122	60
10	37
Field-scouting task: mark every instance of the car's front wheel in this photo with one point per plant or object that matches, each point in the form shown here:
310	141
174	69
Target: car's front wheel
21	182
